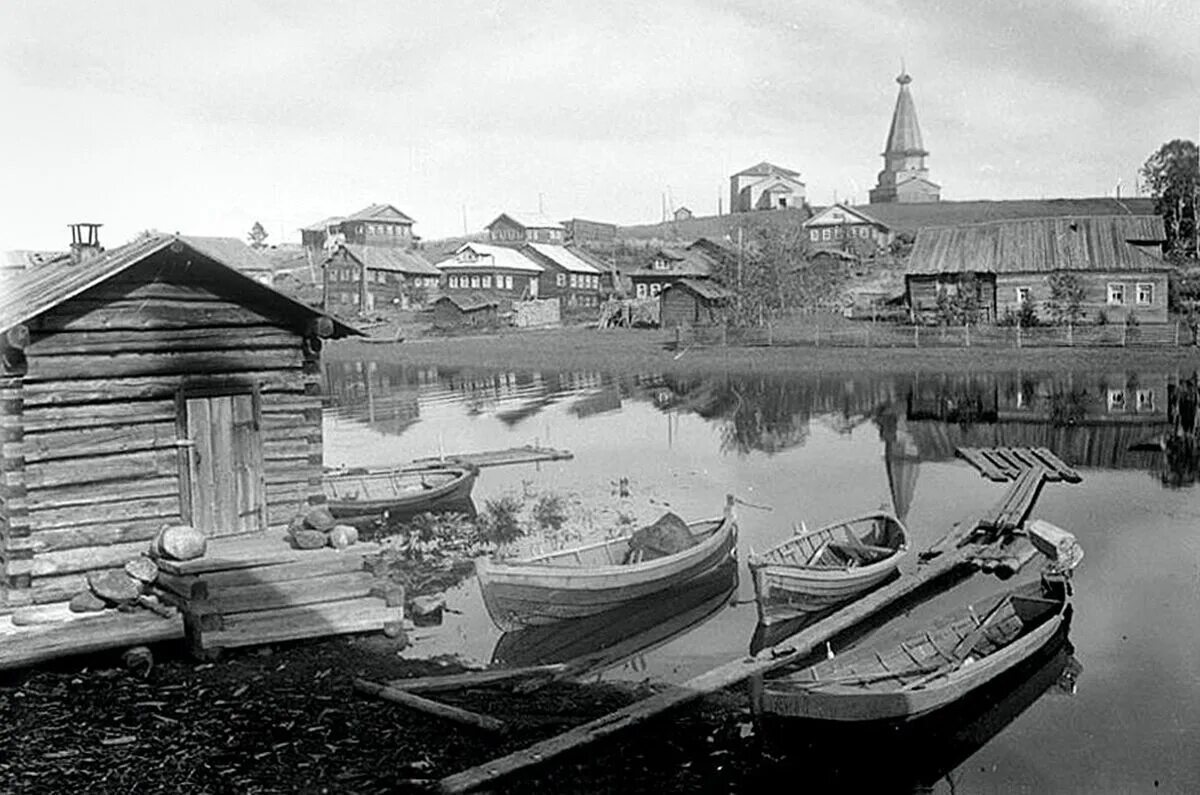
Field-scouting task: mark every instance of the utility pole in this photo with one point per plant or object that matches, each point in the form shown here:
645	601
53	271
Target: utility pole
464	213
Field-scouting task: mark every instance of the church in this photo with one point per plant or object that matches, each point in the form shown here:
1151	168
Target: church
904	178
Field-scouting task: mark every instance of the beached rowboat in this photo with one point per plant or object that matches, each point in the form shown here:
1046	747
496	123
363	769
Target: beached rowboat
886	680
590	579
373	492
813	571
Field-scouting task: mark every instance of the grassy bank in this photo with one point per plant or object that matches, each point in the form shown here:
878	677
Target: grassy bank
624	351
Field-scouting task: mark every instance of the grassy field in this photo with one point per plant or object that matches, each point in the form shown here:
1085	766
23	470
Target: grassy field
622	350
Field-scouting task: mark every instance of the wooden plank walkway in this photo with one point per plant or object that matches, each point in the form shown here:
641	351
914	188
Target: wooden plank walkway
529	454
1002	464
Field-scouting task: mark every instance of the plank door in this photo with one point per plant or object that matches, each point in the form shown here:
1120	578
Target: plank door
226	489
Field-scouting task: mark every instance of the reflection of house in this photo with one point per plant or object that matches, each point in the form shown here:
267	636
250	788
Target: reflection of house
376	225
693	302
668	266
525	227
145	385
366	277
1115	260
500	271
471	310
904	178
765	187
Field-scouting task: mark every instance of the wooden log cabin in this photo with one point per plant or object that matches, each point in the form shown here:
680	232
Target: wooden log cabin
148	385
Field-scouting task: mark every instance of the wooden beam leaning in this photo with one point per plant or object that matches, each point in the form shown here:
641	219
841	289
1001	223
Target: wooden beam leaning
397	696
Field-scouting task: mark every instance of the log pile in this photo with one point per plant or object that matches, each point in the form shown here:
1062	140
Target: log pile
252	590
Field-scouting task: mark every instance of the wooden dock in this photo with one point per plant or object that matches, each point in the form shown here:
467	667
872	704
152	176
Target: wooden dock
529	454
956	553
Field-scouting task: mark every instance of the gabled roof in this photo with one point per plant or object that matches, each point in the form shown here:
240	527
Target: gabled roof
913	216
29	294
765	169
323	224
23	259
840	214
491	257
714	249
469	302
1041	245
379	212
396	260
703	288
528	221
563	257
684	262
230	251
776	181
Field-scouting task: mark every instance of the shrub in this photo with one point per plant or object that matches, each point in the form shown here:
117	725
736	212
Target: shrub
1101	318
500	521
550	512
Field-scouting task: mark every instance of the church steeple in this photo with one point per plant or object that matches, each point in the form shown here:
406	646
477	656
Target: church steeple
904	177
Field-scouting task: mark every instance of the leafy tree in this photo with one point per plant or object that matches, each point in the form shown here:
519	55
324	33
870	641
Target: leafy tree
1066	298
258	235
1173	176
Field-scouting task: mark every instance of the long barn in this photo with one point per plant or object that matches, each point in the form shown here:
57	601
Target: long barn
148	385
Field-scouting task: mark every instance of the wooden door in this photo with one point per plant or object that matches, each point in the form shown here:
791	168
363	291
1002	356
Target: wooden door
226	488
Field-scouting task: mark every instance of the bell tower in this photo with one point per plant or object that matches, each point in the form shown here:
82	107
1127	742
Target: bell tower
904	178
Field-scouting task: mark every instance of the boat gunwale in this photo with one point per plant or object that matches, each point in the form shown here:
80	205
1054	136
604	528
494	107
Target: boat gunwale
758	561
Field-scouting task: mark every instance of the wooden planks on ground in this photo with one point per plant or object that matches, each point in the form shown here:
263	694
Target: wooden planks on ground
262	549
529	454
21	646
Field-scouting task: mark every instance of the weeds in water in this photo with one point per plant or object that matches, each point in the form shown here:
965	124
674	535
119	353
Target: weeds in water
500	522
550	512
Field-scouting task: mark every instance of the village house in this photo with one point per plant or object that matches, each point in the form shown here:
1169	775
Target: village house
468	310
525	228
375	225
669	265
363	278
682	214
765	186
1116	259
842	227
693	303
590	234
500	271
148	385
568	275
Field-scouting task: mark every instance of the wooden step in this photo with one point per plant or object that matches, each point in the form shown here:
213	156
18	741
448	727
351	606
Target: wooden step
291	593
365	614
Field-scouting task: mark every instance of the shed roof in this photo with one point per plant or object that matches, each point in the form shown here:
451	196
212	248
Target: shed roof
469	302
1103	243
528	221
703	288
490	257
29	294
914	216
564	257
396	260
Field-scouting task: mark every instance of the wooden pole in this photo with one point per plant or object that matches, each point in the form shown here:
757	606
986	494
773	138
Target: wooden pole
397	696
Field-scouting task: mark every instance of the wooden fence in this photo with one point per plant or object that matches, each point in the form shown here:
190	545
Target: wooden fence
886	335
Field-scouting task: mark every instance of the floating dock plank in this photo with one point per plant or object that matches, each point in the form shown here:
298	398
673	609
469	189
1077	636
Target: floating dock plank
1007	463
529	454
1054	462
976	459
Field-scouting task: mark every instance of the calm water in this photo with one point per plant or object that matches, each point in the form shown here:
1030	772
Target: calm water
818	448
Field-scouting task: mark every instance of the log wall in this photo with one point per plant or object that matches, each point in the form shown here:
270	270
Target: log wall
91	464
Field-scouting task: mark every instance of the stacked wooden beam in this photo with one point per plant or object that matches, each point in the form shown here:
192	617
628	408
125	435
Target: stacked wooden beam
257	589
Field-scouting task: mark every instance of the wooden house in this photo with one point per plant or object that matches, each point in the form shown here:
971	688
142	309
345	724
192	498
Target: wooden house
525	227
362	278
591	234
841	227
765	186
693	302
569	276
472	310
148	385
374	225
667	266
1115	259
502	272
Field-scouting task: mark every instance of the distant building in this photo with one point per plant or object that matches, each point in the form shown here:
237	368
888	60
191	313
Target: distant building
590	233
669	266
693	302
376	225
904	177
842	226
364	278
502	272
765	187
469	310
1118	260
525	228
568	276
682	214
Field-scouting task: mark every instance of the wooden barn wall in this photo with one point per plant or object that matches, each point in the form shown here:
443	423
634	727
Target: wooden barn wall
100	468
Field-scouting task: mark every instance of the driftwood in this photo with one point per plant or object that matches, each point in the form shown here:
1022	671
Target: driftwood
432	684
407	699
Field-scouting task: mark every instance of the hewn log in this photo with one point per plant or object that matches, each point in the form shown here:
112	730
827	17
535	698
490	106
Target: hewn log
126	341
139	314
397	696
160	509
273	626
114	491
99	533
69	561
64	418
469	679
132	365
100	390
101	469
231	600
89	633
54	445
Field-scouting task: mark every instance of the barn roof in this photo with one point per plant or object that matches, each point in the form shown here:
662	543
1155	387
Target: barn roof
29	294
395	260
564	257
528	221
230	251
1112	243
914	216
703	288
379	212
470	302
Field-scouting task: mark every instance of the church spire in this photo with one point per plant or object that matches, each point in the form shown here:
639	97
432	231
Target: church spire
904	177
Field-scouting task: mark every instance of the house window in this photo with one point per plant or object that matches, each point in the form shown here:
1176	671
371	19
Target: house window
1145	293
487	282
641	290
474	281
826	234
1116	294
561	279
574	280
1022	295
1145	400
814	235
655	289
508	282
1116	400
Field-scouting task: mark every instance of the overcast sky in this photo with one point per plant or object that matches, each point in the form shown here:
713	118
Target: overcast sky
203	117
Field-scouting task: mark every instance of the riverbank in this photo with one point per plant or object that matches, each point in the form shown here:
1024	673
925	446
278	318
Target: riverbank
633	351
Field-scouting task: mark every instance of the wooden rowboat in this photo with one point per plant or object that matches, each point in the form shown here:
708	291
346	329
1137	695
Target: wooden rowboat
591	579
955	655
813	571
358	493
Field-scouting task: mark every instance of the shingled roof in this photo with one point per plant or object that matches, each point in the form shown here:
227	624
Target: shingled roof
396	260
912	217
1043	245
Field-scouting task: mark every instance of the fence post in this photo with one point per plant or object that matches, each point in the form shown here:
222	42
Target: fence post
817	337
1176	333
1018	334
916	336
770	335
1070	334
967	327
1124	331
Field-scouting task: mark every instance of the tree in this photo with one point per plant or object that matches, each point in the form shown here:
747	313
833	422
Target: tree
258	235
1066	298
1172	175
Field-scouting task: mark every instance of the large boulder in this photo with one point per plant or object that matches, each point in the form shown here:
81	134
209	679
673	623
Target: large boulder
342	536
180	542
319	518
309	539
